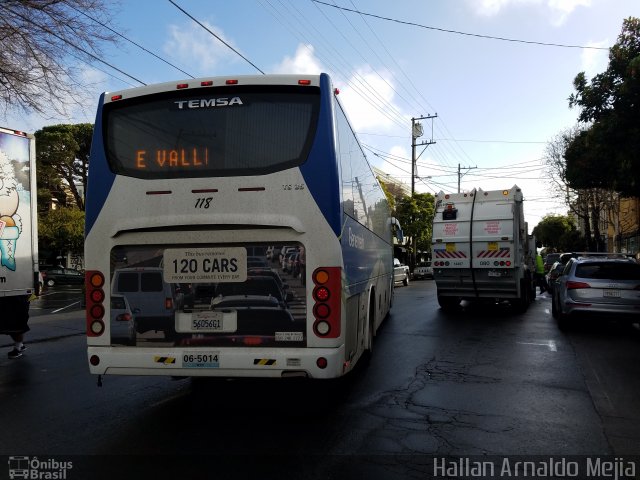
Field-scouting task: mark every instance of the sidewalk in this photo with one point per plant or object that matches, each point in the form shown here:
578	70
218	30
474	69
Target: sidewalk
50	327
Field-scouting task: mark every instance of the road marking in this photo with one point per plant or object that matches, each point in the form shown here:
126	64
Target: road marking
64	308
551	344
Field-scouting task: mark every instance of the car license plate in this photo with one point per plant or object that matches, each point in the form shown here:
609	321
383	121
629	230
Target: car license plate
207	321
611	293
201	359
205	265
493	273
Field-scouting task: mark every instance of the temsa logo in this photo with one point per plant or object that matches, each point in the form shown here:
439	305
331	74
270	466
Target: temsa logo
208	102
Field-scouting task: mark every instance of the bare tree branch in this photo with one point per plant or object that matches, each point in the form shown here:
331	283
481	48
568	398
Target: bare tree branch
44	45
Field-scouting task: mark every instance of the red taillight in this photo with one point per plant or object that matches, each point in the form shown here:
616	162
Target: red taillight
321	294
327	301
571	285
168	303
124	317
94	296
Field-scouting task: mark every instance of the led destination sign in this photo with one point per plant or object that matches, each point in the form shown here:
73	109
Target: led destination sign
189	158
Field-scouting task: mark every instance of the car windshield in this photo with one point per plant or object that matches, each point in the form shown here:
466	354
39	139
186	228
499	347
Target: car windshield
609	270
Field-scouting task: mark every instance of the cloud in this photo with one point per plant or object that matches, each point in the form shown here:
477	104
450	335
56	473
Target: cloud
594	61
558	9
303	61
368	98
197	48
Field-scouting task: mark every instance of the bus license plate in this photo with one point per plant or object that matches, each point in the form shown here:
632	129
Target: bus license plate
201	359
611	293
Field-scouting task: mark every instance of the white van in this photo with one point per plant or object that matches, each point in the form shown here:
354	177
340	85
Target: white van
151	298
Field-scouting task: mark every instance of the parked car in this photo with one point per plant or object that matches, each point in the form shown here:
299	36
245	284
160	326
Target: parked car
152	299
423	270
554	273
123	322
549	260
255	285
602	285
62	276
400	272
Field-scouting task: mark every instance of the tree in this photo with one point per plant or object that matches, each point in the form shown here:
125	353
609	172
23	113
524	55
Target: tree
607	154
43	46
62	156
557	232
589	204
416	217
61	231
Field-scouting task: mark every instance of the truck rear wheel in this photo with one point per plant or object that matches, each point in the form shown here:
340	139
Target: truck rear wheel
522	303
448	303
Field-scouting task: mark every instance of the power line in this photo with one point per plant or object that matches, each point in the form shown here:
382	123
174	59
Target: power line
216	36
71	44
457	32
130	41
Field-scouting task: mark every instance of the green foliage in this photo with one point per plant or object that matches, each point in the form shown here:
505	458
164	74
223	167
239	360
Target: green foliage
62	156
390	198
558	233
416	216
606	154
61	230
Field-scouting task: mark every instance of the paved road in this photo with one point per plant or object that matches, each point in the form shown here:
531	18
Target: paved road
482	381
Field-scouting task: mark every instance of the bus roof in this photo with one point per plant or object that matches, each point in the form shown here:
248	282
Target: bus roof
205	82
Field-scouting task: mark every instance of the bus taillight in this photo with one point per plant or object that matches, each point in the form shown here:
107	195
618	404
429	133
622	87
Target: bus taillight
327	296
95	296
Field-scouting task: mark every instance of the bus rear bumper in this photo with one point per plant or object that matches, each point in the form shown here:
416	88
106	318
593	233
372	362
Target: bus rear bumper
218	362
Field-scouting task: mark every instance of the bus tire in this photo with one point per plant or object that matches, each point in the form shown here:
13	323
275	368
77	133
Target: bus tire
371	325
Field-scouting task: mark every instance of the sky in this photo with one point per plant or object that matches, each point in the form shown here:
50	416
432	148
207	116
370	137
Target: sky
484	67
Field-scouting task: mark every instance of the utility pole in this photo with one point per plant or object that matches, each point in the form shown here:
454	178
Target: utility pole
460	175
416	132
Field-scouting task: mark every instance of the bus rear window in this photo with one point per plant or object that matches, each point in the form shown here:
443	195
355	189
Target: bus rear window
211	132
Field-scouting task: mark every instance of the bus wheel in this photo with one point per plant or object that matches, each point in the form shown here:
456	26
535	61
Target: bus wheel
371	321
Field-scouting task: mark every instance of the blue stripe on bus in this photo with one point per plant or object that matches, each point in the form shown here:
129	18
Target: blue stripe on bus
365	255
321	170
101	178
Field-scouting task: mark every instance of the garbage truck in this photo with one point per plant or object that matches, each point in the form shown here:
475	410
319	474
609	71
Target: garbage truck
18	219
481	248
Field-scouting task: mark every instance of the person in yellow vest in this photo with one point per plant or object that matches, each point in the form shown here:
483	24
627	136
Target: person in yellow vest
541	280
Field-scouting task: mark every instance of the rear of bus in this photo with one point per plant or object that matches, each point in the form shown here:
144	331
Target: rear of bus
204	180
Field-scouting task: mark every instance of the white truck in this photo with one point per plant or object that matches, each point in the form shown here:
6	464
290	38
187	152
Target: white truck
481	248
18	217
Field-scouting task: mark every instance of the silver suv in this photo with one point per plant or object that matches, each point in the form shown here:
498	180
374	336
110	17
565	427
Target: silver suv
604	284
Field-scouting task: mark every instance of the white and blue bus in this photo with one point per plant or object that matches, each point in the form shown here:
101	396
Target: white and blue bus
241	220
